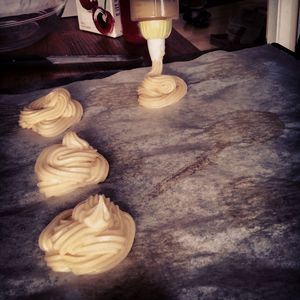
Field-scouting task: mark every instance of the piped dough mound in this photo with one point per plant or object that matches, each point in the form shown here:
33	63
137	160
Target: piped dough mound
92	238
62	168
52	114
157	90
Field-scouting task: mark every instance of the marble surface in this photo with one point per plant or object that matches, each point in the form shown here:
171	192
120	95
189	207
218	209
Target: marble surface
212	183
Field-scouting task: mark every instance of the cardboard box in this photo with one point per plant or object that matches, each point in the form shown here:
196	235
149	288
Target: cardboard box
100	16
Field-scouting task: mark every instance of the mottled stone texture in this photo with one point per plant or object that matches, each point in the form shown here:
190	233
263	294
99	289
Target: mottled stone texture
212	183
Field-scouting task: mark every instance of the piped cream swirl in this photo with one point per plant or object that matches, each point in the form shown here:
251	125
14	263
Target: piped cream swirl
92	238
62	168
52	114
157	90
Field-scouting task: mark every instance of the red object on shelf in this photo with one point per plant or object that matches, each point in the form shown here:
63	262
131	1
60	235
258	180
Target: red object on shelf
131	30
100	16
103	20
89	4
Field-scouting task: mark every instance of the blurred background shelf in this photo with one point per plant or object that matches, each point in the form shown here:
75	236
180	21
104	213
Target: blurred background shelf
221	12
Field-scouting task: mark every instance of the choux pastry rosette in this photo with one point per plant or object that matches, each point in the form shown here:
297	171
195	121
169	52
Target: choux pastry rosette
157	90
92	238
62	168
52	114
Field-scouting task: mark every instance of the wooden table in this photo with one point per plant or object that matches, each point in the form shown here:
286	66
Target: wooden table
67	39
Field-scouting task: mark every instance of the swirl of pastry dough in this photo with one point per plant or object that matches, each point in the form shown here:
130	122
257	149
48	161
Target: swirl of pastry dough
92	238
62	168
52	114
157	91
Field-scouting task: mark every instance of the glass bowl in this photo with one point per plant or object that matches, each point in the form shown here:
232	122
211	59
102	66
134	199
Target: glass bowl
24	22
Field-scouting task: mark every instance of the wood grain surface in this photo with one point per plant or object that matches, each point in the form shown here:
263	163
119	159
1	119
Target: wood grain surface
67	39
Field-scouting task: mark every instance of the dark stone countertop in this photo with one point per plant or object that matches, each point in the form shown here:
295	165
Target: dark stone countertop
212	183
